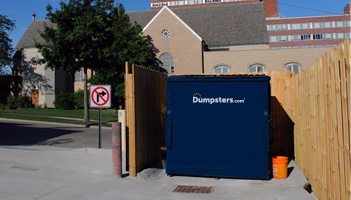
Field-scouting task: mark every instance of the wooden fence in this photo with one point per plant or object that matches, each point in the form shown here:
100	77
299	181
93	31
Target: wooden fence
321	111
281	111
314	107
145	110
310	111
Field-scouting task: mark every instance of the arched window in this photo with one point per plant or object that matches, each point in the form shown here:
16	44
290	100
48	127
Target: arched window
78	76
222	69
293	67
257	68
167	62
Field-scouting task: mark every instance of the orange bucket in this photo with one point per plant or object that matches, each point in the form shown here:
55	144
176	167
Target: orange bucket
280	167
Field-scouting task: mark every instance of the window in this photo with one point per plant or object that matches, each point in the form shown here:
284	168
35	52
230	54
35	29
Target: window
306	37
339	36
221	69
293	67
295	26
167	63
165	34
347	23
257	68
273	38
282	27
295	37
327	24
78	76
283	38
272	27
317	36
316	25
305	26
328	36
339	24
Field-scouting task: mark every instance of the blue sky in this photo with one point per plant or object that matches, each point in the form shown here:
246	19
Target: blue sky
21	10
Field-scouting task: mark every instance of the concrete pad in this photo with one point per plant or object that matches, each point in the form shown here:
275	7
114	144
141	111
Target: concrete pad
95	161
51	173
295	179
24	181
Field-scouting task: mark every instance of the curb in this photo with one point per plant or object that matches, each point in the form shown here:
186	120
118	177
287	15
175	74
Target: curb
53	123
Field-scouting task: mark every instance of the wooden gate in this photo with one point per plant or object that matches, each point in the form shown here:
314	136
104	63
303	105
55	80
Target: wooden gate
146	91
35	97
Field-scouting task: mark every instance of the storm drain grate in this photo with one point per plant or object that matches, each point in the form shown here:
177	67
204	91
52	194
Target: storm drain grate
194	189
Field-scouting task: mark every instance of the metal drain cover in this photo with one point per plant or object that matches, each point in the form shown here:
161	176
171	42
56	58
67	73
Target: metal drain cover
194	189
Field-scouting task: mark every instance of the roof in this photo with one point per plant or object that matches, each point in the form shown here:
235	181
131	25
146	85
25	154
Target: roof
220	25
32	34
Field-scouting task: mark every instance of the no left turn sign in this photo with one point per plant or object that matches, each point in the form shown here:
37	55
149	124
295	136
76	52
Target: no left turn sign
100	96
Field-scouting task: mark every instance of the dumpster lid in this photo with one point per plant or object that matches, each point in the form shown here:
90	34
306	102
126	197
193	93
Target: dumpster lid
219	77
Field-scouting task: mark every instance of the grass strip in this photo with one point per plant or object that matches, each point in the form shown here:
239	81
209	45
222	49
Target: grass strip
48	119
107	115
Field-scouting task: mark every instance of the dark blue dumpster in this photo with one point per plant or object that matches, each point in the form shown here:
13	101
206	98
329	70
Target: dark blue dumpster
218	126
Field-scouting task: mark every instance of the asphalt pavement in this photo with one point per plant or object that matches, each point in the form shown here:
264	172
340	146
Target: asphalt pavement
36	169
26	133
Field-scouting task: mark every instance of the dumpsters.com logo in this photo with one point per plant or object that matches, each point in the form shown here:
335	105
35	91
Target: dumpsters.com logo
197	98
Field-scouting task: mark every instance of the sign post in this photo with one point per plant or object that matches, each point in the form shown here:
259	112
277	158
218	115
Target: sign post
100	97
100	128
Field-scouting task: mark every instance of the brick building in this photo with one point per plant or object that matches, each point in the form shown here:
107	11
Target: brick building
319	31
308	31
270	6
284	32
182	39
236	42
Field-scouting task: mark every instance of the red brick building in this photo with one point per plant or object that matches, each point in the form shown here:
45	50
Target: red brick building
347	9
309	31
271	6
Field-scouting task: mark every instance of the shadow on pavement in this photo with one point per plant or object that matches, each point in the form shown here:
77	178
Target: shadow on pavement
27	134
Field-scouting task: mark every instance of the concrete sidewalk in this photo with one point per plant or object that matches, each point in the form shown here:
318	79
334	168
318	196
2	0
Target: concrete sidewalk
50	173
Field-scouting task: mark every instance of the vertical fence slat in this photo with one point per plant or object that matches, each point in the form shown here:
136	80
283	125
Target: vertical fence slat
347	62
324	125
130	115
345	120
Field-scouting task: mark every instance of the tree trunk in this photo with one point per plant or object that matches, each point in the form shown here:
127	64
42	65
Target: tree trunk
86	102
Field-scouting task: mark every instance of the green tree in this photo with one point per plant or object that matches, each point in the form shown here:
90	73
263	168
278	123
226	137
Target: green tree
6	50
85	37
129	45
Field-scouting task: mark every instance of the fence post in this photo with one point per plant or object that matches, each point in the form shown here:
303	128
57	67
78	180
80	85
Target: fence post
116	149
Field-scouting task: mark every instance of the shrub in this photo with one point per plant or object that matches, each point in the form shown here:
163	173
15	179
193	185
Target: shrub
18	102
23	102
64	100
79	99
2	106
11	102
